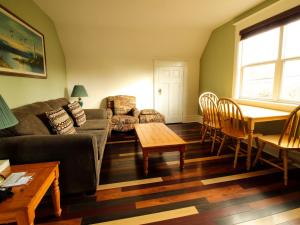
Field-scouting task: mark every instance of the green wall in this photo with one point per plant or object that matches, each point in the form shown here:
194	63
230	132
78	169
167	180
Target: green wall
19	90
216	64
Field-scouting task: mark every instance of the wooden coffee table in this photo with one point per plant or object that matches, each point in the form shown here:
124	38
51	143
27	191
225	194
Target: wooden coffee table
157	137
21	206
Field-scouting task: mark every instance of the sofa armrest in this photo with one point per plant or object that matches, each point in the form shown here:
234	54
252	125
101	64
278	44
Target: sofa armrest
77	154
95	113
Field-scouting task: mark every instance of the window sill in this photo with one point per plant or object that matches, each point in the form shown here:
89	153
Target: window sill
270	105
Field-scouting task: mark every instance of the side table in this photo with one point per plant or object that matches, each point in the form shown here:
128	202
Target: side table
21	206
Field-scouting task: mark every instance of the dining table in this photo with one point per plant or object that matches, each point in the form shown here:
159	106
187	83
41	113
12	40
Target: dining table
253	115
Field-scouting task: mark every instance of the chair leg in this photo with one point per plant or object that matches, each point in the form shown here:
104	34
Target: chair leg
285	166
201	130
260	149
237	150
214	141
222	144
203	135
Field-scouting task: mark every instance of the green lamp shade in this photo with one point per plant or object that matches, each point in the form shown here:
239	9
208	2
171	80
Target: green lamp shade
79	91
7	118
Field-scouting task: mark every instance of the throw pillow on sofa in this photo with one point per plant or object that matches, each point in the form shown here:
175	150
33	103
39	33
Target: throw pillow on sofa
77	113
60	121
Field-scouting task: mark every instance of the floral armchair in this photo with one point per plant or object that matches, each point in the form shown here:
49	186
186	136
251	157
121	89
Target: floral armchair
122	112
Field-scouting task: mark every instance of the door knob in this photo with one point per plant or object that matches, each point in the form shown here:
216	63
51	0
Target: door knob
159	91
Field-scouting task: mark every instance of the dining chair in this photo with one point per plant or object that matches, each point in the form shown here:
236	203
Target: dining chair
232	124
211	119
204	128
288	140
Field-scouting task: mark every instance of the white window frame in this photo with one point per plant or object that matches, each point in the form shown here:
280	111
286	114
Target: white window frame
257	17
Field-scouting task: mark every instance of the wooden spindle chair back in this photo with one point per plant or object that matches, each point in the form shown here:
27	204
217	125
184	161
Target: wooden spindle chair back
213	96
290	136
210	112
231	118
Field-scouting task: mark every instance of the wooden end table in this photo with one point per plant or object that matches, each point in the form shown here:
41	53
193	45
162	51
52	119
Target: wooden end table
157	137
21	206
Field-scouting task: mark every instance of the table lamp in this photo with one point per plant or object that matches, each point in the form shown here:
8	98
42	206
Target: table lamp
7	118
79	91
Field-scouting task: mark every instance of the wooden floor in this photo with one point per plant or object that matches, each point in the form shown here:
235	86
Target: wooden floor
207	192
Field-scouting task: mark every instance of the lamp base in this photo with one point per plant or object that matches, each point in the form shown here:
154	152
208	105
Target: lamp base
80	102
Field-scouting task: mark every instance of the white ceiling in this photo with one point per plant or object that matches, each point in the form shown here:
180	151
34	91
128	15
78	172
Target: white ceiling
139	28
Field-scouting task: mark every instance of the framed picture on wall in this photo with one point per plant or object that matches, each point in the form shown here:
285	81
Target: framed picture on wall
22	48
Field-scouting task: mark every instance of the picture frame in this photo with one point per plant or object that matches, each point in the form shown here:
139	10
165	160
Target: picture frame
22	47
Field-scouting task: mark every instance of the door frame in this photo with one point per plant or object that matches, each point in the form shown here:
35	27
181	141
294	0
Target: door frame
168	63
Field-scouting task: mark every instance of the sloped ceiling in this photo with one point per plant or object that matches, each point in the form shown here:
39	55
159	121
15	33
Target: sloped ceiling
139	28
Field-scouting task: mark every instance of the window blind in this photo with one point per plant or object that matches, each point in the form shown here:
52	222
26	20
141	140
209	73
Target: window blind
272	22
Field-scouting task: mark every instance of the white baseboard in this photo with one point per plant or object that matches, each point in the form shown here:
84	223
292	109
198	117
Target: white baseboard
192	118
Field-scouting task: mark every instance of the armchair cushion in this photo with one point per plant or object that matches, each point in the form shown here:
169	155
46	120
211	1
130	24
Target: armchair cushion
123	103
121	108
124	119
123	123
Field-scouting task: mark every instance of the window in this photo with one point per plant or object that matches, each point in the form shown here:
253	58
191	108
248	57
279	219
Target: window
269	64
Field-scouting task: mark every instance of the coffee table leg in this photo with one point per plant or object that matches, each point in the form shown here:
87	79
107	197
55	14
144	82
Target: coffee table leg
56	194
25	217
145	156
182	152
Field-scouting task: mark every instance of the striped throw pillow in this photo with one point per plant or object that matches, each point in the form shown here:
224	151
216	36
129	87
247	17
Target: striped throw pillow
77	113
60	121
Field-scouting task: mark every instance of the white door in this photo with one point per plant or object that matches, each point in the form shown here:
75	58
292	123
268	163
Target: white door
168	90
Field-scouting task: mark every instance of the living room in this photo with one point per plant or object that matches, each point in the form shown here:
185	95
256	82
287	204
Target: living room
123	48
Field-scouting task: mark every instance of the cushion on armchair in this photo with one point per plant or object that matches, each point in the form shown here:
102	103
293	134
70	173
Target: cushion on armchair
120	107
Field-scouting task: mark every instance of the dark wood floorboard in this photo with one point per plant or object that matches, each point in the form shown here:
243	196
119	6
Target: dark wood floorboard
222	203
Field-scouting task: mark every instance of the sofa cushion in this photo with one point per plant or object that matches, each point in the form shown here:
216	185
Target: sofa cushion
36	108
57	103
124	119
29	124
97	124
60	121
29	121
77	113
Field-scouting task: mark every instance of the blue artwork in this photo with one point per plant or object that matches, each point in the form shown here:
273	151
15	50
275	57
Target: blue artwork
22	50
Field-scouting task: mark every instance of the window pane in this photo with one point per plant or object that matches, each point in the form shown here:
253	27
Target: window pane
258	81
290	85
291	39
261	47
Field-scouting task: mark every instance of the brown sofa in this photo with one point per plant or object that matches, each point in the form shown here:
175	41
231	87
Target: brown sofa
80	154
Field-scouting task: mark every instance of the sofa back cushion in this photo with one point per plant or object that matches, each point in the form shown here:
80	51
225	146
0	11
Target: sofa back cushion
29	121
32	118
57	103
